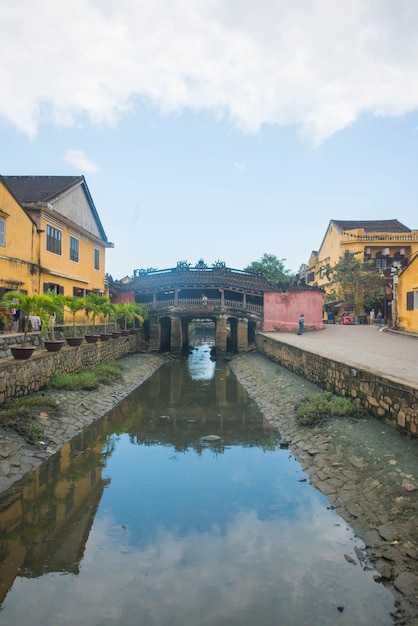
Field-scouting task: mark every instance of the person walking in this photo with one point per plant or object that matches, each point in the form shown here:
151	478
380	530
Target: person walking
301	324
372	317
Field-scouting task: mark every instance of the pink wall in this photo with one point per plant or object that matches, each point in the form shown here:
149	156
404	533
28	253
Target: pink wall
123	297
282	310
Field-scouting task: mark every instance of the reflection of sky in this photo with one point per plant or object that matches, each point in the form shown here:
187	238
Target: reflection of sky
207	540
199	365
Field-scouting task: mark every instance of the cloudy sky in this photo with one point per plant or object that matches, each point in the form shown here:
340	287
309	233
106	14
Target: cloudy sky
216	129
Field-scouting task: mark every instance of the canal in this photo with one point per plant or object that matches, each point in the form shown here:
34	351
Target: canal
181	507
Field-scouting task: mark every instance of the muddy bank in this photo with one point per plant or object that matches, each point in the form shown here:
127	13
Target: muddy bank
76	410
368	471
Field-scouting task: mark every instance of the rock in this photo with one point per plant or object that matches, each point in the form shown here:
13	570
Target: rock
211	438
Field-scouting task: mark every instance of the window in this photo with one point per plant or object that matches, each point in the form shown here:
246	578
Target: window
53	239
74	249
59	289
78	292
2	232
412	300
96	259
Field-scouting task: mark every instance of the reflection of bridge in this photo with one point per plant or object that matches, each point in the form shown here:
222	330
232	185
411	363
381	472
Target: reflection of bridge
232	299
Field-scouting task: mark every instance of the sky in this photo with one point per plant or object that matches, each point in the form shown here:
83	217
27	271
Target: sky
216	129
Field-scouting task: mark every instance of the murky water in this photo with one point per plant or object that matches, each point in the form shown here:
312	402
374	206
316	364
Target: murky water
143	521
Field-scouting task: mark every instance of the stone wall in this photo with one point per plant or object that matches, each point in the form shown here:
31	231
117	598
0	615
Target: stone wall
19	378
388	398
35	338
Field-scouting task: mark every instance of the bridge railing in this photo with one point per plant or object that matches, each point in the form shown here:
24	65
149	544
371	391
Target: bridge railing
198	303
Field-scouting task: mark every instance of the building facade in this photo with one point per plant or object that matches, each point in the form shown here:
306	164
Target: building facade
51	236
387	245
406	294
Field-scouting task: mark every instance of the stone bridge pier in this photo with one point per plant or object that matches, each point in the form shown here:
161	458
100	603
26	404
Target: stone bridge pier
233	333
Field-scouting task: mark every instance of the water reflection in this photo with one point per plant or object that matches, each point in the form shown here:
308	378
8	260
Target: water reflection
141	521
199	363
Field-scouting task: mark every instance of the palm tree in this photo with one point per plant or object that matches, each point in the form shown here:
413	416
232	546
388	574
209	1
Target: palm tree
131	311
93	307
74	304
38	304
56	308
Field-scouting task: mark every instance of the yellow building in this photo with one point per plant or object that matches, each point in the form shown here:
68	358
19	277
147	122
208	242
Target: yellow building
51	236
381	241
388	244
19	245
407	297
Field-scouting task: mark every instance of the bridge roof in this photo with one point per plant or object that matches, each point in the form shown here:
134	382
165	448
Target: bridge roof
195	278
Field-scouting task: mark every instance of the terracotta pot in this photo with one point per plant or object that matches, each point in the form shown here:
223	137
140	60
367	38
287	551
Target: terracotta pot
74	341
126	332
21	353
133	331
116	334
53	345
105	336
92	338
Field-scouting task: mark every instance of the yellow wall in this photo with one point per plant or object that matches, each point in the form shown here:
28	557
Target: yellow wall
27	265
21	249
61	270
408	282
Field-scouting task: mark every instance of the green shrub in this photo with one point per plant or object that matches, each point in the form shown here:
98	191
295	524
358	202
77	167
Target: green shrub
74	382
104	373
318	406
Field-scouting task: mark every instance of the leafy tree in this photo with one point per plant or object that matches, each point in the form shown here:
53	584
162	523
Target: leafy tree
271	268
354	281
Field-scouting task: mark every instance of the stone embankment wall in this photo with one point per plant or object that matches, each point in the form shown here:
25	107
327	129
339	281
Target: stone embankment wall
19	378
388	398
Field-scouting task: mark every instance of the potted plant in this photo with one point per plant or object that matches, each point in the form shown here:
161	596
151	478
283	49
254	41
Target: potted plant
31	306
114	315
55	307
106	313
93	307
74	304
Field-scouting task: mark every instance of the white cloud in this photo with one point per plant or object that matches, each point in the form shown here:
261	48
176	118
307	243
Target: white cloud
316	64
80	161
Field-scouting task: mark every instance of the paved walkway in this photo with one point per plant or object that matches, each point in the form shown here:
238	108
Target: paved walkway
384	352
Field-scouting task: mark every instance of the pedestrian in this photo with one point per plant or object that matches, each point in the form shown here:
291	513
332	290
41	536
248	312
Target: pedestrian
372	317
301	324
379	317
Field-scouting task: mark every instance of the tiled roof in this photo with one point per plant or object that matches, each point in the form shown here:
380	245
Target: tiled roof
29	190
39	188
372	226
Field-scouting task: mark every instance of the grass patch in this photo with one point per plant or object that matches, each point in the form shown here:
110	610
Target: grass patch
19	414
102	374
317	407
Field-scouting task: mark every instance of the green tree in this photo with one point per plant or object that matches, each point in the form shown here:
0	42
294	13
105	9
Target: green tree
354	281
74	304
271	268
94	305
37	304
131	311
